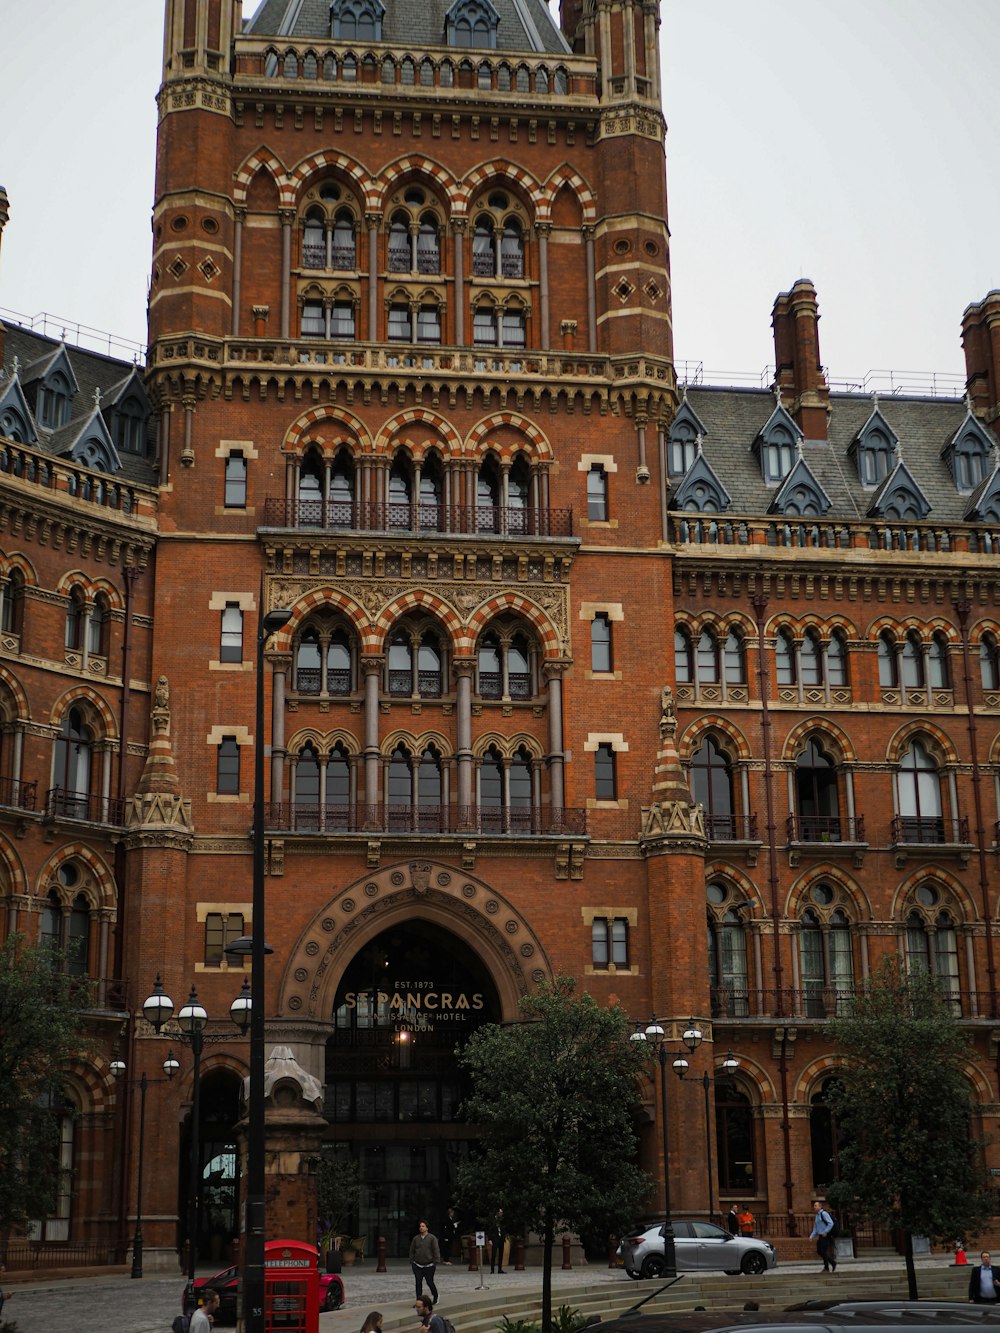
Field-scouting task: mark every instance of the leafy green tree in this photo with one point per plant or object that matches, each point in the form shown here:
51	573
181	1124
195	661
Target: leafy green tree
338	1189
557	1096
40	1033
903	1109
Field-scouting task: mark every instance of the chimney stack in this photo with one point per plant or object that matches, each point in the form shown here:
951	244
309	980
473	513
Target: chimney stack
798	370
981	342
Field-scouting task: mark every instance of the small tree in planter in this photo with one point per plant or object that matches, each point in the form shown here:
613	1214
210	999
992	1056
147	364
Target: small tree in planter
338	1189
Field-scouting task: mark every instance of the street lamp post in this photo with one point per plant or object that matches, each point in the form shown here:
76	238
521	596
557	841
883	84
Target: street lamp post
170	1068
253	1259
192	1019
655	1034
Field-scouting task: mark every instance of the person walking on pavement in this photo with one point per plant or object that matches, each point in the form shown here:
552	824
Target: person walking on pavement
984	1281
822	1227
733	1219
204	1317
425	1255
496	1234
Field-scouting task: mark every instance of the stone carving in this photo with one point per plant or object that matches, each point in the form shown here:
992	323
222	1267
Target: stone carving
668	712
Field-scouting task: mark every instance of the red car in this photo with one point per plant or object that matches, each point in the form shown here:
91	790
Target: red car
226	1283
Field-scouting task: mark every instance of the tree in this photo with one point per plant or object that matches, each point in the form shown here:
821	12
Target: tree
557	1097
903	1110
338	1189
40	1033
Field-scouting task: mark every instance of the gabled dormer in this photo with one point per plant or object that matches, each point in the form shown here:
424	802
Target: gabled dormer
901	497
471	23
701	491
874	449
126	410
984	503
16	422
776	446
682	442
357	20
801	494
51	386
967	454
89	443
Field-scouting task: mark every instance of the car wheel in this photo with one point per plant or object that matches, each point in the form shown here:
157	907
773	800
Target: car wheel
334	1297
653	1266
632	1274
753	1264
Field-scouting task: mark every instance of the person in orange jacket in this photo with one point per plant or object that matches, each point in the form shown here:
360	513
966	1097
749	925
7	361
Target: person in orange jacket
745	1219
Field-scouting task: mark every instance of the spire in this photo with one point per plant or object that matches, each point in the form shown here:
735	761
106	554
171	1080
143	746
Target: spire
672	819
157	802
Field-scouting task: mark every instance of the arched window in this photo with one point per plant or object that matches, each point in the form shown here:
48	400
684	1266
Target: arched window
519	668
734	1139
918	796
429	667
683	657
50	924
512	250
888	665
836	659
308	662
307	788
712	787
343	249
811	659
430	805
428	245
72	770
727	959
989	661
784	652
430	515
338	788
74	619
399	789
310	490
932	946
823	1139
488	496
400	492
339	664
490	672
707	659
841	959
98	625
811	965
340	505
12	616
518	490
491	791
816	796
519	786
483	258
734	660
400	665
913	662
937	663
314	240
399	243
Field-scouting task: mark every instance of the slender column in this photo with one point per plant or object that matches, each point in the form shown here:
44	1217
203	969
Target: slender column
661	455
588	237
237	269
287	218
640	431
462	670
371	220
553	675
104	935
458	227
371	669
543	230
88	611
279	677
164	444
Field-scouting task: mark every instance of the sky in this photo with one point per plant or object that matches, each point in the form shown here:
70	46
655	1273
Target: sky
852	142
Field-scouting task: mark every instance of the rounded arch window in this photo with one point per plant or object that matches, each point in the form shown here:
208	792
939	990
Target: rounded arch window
415	197
823	1137
489	667
498	200
399	243
483	258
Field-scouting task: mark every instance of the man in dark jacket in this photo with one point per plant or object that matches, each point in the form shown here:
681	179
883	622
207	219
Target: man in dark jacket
984	1281
425	1255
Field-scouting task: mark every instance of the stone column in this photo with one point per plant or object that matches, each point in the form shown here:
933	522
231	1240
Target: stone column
279	677
553	673
459	226
237	269
371	220
543	231
371	669
588	238
462	670
287	218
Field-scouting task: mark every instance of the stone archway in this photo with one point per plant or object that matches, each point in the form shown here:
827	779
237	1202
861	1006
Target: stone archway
462	903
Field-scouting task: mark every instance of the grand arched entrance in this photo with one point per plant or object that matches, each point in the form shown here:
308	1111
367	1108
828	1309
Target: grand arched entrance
407	1000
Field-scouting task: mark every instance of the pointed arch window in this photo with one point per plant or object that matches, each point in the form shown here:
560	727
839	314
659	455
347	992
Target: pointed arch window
512	250
429	667
314	239
400	665
310	490
400	493
356	20
932	946
399	789
823	1139
73	767
836	659
811	659
430	804
683	657
430	516
488	496
727	960
913	662
682	448
339	664
340	507
12	607
50	924
712	788
490	672
812	965
338	787
518	492
734	660
307	788
428	245
308	664
989	661
938	675
343	241
399	243
98	626
707	659
816	796
519	668
918	797
888	664
491	790
75	619
784	654
520	791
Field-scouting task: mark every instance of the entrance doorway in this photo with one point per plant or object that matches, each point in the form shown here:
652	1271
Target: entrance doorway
393	1086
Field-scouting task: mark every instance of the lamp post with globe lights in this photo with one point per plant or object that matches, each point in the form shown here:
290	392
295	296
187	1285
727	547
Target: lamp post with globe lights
655	1034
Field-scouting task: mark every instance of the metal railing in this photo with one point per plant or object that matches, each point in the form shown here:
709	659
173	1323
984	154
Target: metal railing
20	795
63	804
731	828
825	828
372	516
815	1000
27	1255
876	535
360	817
929	830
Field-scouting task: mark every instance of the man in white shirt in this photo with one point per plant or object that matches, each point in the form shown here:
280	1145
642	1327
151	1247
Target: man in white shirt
984	1282
204	1317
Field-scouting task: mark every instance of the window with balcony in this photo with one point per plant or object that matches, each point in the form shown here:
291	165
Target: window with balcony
918	797
817	808
600	643
75	619
415	666
931	941
488	488
236	481
471	24
221	929
605	772
227	767
989	662
727	954
74	764
609	942
712	788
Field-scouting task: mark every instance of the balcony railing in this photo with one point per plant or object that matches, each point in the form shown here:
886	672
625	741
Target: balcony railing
825	828
814	1000
731	828
305	817
877	535
63	804
929	830
370	516
20	795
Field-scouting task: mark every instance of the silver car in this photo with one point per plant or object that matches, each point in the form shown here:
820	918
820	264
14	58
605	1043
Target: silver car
699	1246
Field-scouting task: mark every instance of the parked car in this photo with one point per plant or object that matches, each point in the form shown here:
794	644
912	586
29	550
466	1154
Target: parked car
226	1283
699	1246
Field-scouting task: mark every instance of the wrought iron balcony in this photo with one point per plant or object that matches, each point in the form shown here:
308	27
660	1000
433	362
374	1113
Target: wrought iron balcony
819	1001
20	795
63	804
370	516
825	828
360	817
929	830
731	828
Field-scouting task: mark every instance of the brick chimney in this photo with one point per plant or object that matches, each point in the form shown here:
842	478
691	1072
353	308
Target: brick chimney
981	341
798	370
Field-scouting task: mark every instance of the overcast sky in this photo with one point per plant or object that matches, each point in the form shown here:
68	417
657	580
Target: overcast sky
852	142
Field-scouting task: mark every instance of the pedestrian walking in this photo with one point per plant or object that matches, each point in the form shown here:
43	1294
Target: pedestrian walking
984	1281
821	1233
425	1255
204	1317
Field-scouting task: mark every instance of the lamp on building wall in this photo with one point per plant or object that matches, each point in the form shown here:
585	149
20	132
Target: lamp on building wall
192	1018
655	1033
170	1068
253	1262
728	1065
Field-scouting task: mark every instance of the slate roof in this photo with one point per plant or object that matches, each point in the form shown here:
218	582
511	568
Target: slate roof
734	417
93	371
525	25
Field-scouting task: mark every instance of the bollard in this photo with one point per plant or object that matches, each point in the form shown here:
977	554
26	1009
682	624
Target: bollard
380	1254
519	1255
473	1258
567	1261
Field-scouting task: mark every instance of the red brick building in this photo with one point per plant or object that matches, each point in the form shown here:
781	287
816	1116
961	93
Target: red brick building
578	660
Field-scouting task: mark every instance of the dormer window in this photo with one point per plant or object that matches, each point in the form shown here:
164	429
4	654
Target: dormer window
779	454
968	454
357	20
130	426
472	23
874	458
682	449
54	400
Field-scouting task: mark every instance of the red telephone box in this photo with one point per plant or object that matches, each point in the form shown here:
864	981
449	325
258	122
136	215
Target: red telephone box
291	1287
